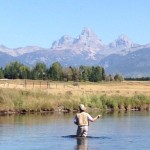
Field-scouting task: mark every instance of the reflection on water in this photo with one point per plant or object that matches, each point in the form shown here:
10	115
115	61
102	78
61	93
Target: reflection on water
82	143
57	131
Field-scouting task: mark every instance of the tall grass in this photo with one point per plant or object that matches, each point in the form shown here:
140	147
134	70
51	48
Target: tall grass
37	100
104	102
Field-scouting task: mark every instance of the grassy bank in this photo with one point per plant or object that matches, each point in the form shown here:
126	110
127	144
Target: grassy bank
23	100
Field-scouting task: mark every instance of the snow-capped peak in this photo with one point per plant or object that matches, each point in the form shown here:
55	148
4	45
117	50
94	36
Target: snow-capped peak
88	37
122	42
63	43
87	41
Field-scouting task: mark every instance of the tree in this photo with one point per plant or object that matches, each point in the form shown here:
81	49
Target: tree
103	74
56	71
16	70
67	74
76	76
96	74
85	72
24	72
39	71
118	77
1	73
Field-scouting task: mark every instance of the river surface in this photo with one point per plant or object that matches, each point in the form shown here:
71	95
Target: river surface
117	131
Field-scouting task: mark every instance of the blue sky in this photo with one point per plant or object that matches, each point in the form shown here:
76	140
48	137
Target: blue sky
40	22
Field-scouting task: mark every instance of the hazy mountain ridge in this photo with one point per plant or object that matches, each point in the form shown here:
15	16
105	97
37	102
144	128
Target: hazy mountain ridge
86	49
5	59
20	50
133	64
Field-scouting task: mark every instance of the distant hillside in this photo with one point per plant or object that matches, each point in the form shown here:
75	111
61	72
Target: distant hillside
136	63
5	59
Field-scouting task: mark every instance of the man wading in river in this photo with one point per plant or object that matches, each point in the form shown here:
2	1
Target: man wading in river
82	120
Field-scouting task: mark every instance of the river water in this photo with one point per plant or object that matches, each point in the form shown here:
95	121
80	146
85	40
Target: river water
116	131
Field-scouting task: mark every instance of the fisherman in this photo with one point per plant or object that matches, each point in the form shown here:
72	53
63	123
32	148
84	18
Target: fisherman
82	120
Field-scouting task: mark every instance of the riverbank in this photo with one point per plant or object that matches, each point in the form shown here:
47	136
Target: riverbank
24	100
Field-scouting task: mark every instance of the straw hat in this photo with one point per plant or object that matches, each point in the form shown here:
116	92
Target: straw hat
82	107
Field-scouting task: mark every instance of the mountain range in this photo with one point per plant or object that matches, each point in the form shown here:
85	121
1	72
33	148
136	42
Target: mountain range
121	56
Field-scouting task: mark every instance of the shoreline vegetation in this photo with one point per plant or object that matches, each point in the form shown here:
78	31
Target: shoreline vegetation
16	97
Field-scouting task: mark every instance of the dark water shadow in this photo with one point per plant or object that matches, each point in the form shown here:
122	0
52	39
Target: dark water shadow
88	137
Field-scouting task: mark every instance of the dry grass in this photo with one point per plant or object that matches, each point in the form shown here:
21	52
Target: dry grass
125	88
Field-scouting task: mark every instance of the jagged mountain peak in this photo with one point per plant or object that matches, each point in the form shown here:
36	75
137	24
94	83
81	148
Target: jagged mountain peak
87	32
86	41
64	42
66	39
122	42
87	35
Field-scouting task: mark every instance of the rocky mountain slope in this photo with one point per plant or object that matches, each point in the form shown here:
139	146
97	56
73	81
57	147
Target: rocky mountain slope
120	56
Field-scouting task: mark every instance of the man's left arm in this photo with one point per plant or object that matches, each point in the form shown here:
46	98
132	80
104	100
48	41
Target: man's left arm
93	119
